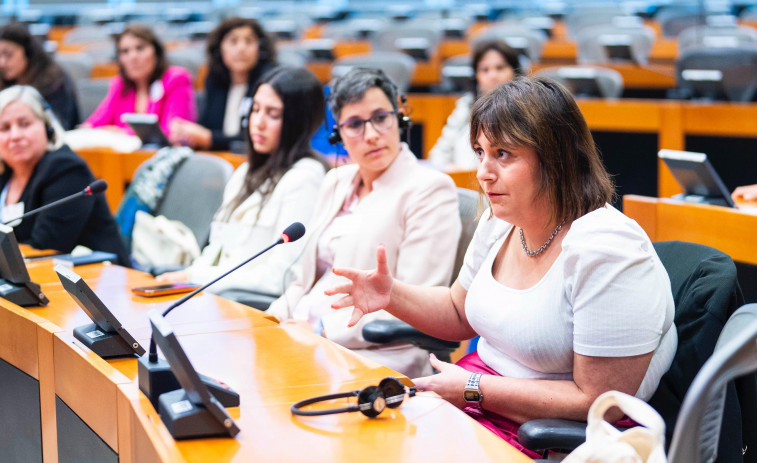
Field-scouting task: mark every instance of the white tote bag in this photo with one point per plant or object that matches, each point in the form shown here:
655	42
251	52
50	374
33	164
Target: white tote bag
158	241
606	444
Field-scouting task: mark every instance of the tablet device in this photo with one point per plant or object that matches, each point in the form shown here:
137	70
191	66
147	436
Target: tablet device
106	336
147	128
697	178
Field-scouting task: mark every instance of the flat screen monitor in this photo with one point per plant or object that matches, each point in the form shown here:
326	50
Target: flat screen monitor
106	336
15	283
697	177
191	411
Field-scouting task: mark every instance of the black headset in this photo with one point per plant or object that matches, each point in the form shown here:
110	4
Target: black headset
371	401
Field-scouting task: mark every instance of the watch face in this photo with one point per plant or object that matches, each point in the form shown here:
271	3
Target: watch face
472	396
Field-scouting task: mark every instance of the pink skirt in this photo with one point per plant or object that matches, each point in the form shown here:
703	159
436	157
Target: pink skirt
506	428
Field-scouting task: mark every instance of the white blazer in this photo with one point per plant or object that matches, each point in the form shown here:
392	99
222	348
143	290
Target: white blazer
250	229
413	211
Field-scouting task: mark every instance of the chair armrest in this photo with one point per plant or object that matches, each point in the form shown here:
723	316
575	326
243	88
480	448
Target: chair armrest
552	434
386	331
260	301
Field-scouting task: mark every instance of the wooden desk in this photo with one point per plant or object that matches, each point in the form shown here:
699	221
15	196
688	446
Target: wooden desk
271	366
723	228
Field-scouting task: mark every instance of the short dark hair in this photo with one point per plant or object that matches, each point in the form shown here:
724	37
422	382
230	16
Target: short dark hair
541	114
500	46
352	87
217	70
41	71
143	32
304	111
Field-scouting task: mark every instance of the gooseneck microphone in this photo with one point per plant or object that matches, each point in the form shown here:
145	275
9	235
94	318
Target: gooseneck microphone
98	186
155	376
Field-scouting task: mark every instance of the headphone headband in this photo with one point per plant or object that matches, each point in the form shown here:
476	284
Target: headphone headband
371	401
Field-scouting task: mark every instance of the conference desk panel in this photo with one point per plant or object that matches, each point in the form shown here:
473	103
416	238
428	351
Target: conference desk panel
273	367
727	229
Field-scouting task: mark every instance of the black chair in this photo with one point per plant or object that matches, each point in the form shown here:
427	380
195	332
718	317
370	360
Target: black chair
706	294
718	73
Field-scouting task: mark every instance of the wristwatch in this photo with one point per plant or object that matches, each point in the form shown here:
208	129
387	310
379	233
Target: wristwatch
472	393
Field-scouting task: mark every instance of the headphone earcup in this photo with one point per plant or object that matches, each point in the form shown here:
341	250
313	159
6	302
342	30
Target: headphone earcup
393	390
50	132
403	121
335	137
370	401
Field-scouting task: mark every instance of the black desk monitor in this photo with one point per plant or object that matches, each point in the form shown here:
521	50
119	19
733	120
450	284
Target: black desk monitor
697	177
191	411
106	337
15	283
147	128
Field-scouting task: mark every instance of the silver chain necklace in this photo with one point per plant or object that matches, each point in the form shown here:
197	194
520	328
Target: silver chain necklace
544	246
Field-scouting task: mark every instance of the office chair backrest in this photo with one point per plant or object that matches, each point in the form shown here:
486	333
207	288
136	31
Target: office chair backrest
706	293
398	66
583	81
595	44
90	93
468	207
698	426
77	65
737	67
715	37
417	40
195	193
522	38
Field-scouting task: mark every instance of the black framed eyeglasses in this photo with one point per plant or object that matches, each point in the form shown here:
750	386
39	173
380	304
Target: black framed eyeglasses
355	127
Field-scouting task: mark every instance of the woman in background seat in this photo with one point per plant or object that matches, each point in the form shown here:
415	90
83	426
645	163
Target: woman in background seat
494	63
37	169
278	185
239	52
23	61
145	84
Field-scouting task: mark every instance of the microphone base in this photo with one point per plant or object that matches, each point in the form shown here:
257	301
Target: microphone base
187	420
106	345
23	294
156	378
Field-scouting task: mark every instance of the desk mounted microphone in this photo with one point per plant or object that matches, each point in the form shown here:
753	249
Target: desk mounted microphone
155	375
98	186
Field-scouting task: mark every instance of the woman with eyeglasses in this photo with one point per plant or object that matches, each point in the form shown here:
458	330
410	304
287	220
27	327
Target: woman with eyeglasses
383	197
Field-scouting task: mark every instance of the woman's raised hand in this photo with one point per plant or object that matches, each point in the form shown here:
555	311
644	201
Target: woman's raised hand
367	291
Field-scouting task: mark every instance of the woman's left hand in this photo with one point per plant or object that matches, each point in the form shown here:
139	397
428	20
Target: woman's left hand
449	383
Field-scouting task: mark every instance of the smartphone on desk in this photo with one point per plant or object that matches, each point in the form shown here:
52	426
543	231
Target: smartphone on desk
164	290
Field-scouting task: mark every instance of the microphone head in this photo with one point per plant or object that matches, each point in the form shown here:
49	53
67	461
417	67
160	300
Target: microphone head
293	232
98	186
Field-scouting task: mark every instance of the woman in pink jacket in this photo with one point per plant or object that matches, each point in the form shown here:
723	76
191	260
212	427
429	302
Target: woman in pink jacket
145	84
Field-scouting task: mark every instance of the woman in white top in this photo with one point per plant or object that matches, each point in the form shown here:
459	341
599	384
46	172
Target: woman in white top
384	197
494	63
567	293
277	186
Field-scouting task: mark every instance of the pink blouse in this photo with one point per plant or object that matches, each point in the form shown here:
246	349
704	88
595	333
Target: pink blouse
172	96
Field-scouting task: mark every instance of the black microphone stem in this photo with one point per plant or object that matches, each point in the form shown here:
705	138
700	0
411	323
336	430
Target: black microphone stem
153	348
47	206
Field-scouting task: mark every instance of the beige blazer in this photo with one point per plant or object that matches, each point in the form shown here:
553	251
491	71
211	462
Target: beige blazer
413	211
